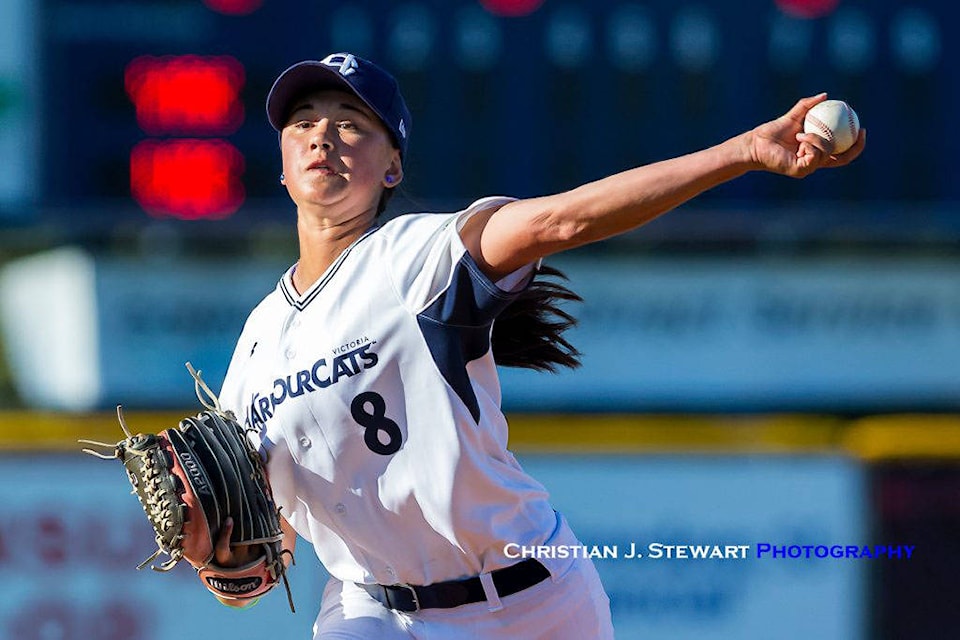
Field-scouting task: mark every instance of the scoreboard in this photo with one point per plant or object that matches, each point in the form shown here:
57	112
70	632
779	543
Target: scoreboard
155	108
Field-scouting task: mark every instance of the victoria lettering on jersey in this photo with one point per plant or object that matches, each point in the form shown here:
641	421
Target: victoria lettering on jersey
346	361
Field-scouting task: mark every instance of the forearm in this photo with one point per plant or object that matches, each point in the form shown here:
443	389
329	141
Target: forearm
627	200
526	230
523	231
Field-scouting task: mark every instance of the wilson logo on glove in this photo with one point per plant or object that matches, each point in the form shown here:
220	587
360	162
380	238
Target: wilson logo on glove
190	479
234	586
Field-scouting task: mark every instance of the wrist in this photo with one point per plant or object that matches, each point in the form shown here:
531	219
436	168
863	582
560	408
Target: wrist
742	152
732	158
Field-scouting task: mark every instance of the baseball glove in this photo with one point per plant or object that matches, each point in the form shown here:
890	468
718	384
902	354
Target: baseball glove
189	480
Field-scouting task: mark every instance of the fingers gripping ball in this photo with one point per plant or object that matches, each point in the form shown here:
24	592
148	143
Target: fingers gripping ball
834	120
189	480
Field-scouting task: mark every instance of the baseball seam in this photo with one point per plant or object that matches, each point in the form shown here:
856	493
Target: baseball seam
853	127
824	129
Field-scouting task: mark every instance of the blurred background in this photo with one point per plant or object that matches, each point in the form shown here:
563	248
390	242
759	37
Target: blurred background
775	362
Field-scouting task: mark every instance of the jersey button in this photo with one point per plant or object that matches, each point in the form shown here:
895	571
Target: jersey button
291	354
340	508
305	442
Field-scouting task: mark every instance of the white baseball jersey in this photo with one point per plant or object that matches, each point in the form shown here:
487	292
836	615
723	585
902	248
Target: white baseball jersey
375	398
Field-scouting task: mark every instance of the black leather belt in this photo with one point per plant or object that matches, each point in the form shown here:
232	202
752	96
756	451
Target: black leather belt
446	595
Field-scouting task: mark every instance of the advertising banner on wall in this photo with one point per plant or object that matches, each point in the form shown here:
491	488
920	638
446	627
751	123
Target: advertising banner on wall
71	537
717	548
118	331
809	334
673	334
687	547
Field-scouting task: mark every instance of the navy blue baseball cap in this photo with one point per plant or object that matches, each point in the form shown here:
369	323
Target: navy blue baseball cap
369	82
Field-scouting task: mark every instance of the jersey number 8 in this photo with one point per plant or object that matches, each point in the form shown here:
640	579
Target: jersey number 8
375	423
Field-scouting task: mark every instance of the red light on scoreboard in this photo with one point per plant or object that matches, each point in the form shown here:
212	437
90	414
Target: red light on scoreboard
189	95
234	7
511	8
807	8
187	179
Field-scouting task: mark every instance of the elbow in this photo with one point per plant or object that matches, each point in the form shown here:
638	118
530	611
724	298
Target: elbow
571	233
560	230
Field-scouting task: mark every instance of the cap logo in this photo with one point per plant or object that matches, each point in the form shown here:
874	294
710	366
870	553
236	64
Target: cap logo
346	62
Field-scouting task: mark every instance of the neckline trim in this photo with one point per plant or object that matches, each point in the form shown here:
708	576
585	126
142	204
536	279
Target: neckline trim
300	302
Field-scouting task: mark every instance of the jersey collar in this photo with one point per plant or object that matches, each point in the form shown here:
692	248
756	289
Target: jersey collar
301	301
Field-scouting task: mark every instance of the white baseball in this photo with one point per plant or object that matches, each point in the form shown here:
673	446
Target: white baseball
834	120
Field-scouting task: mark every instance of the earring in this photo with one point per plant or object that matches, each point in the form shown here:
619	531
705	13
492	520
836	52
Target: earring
282	177
389	179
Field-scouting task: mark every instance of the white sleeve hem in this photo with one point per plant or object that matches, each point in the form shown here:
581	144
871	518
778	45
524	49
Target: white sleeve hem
516	280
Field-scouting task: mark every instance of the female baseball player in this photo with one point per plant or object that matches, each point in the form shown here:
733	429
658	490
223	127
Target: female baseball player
369	379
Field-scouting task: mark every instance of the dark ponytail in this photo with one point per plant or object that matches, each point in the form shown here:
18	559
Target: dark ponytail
528	332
